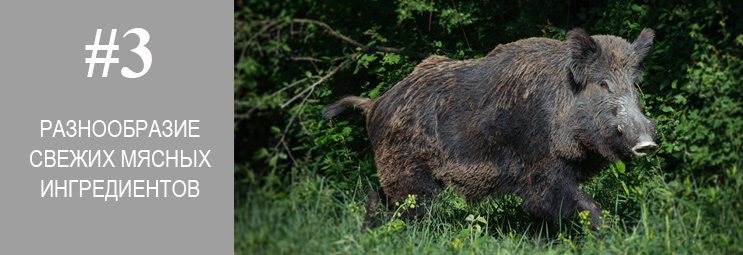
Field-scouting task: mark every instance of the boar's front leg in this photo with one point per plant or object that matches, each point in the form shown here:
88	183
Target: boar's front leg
556	198
586	203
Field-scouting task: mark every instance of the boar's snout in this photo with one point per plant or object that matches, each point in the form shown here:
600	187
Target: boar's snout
645	146
640	130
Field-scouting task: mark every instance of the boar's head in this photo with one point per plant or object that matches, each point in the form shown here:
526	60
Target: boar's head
605	73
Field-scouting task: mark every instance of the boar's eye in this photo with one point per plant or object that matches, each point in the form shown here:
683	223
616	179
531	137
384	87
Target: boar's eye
605	85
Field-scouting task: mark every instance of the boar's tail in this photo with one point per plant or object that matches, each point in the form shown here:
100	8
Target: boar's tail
334	109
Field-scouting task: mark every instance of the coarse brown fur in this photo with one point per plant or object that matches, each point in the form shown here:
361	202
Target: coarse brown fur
535	118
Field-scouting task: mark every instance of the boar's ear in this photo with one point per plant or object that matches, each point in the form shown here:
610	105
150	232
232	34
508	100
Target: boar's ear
583	52
642	44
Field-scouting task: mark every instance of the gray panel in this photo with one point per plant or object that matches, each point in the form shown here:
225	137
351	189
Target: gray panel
43	75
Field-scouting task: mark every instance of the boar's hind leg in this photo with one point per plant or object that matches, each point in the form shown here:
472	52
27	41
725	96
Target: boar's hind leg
412	176
373	213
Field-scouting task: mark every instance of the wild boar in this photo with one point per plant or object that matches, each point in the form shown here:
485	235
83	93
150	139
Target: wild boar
535	118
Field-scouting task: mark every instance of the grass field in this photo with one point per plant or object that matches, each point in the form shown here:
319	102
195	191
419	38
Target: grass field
665	213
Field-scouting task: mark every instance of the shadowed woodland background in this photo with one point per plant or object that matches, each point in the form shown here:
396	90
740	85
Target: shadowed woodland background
301	181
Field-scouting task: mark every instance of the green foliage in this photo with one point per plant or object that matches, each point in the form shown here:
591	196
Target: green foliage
300	180
696	95
396	224
473	233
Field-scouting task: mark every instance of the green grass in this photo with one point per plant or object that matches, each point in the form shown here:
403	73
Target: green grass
666	213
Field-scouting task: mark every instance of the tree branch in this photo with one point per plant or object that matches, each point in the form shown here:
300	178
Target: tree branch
268	24
312	87
303	94
330	31
399	51
460	23
358	44
311	59
254	107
